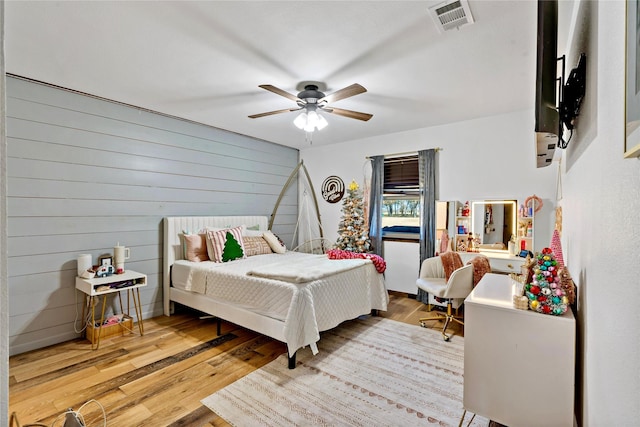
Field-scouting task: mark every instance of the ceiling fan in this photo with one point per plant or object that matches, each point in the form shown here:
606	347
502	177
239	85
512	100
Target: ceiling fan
312	101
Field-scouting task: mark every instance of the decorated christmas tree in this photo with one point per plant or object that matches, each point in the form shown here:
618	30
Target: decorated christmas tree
352	230
545	292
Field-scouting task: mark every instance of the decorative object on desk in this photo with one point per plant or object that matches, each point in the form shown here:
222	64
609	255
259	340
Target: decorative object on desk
525	253
105	259
466	211
556	247
521	281
84	263
522	228
88	274
545	293
521	302
526	269
120	254
105	270
566	282
512	245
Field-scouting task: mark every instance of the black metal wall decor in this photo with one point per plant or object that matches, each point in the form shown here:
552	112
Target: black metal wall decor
332	189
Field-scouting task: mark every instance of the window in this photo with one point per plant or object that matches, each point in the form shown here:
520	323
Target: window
401	199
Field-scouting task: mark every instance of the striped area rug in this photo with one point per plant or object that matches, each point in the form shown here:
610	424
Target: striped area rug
369	372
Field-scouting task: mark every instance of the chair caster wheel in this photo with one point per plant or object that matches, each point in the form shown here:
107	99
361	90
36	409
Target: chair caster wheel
423	325
446	338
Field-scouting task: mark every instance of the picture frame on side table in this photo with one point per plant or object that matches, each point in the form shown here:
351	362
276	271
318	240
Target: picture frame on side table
632	80
105	260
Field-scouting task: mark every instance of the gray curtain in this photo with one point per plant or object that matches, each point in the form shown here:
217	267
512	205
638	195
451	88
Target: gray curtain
427	171
375	203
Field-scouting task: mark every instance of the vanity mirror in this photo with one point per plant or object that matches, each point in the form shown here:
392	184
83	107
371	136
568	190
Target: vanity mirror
494	222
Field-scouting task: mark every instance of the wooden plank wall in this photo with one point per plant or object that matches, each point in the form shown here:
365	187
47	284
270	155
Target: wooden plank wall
85	174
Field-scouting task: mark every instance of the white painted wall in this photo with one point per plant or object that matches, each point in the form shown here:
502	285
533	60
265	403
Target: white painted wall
489	158
601	206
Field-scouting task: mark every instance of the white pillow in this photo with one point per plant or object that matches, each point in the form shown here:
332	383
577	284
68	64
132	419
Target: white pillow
274	241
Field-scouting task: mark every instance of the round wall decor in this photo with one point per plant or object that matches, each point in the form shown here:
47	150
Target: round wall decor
332	189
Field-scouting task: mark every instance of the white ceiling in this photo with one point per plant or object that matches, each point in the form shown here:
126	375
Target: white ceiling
203	61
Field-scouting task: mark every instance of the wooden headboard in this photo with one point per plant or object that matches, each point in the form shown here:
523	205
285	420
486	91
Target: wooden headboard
176	226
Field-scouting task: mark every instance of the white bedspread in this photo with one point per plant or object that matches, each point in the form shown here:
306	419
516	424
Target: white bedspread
308	269
306	308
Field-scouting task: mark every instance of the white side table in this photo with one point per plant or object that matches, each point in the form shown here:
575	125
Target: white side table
130	281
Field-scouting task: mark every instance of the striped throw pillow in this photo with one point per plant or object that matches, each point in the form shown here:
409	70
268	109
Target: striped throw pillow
226	247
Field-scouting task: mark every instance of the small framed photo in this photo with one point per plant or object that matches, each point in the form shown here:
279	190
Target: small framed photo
105	260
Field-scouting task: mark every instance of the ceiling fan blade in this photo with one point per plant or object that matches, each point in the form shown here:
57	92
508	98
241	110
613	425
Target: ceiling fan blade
269	113
354	89
281	92
348	113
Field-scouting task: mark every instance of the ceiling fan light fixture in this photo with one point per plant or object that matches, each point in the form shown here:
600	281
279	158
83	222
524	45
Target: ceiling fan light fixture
309	121
322	122
311	100
301	120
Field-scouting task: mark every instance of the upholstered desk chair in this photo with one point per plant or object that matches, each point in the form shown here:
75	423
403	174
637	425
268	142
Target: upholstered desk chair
433	280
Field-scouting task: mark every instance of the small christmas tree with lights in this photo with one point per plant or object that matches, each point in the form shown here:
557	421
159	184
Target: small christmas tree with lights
352	230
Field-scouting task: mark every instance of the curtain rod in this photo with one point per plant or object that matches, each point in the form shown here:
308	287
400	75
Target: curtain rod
402	154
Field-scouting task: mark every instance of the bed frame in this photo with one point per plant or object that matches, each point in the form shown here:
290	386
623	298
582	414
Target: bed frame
173	230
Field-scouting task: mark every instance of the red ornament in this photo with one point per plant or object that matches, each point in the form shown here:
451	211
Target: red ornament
535	289
542	298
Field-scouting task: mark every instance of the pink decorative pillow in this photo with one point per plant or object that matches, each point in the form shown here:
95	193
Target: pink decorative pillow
219	244
196	247
256	245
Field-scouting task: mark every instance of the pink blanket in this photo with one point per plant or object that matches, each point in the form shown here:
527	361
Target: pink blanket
377	260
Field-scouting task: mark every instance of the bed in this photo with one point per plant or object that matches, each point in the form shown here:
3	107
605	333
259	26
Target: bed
260	294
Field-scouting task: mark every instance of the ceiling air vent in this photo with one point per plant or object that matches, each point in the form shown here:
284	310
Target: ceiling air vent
451	14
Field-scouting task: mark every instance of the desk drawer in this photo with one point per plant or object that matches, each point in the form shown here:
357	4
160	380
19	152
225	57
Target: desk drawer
505	265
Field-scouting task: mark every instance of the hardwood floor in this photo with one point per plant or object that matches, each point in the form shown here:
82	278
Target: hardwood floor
153	380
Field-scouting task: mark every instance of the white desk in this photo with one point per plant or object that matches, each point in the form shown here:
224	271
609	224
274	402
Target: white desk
518	365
